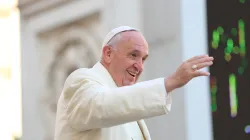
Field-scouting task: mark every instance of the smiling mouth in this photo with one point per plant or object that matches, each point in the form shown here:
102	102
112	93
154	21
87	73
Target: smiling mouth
131	73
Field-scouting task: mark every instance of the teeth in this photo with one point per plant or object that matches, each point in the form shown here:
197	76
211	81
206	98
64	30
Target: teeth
133	74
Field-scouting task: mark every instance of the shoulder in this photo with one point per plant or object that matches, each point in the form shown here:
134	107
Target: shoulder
81	74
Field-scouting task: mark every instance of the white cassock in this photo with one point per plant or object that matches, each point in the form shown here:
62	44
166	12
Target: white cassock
92	107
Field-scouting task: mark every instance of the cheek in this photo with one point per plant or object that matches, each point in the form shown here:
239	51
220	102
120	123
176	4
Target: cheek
129	65
118	67
121	65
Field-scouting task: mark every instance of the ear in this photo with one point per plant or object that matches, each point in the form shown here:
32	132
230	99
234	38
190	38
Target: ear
107	54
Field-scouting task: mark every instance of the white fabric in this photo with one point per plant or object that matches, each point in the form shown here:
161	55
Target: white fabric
136	134
115	31
92	107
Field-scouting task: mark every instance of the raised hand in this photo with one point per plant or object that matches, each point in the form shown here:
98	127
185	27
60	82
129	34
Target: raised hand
187	71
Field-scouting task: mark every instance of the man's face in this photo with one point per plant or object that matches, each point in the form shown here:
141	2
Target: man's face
127	59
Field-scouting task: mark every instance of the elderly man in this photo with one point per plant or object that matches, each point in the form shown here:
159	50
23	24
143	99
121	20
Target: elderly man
106	103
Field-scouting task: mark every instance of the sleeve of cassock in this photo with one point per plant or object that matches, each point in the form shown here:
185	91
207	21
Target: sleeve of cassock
90	105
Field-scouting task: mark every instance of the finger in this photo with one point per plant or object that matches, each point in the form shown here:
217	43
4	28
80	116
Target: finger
204	64
202	60
196	57
201	73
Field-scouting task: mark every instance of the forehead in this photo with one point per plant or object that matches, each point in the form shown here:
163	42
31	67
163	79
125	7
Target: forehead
133	40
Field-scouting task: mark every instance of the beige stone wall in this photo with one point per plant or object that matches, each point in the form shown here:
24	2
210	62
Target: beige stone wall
54	43
61	51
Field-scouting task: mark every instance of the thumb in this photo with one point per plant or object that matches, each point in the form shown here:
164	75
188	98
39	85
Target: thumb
201	73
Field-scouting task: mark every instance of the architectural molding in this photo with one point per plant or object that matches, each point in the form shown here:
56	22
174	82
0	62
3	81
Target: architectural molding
34	7
73	11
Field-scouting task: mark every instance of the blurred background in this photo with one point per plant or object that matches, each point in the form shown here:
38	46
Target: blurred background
43	41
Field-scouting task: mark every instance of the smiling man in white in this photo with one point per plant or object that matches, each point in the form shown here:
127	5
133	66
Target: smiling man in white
106	103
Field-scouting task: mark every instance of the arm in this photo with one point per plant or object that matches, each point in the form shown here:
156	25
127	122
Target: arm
90	105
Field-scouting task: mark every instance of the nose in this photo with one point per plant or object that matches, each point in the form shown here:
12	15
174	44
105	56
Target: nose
139	66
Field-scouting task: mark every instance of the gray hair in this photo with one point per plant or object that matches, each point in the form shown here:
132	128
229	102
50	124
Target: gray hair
113	41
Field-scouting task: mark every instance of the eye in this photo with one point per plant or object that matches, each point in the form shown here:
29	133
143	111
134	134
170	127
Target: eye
144	58
133	55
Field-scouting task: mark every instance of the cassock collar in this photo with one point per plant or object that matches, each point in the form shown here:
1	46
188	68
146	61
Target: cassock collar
103	72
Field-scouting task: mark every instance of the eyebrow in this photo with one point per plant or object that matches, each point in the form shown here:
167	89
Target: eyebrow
137	51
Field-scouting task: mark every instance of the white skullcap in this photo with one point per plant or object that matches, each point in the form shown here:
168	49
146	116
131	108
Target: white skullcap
115	31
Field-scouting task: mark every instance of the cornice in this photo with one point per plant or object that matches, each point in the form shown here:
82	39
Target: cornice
34	7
